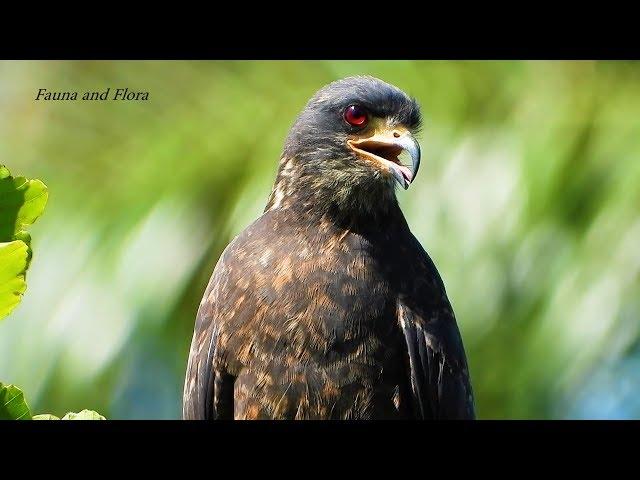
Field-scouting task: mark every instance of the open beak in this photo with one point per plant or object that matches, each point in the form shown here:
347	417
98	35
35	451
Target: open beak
385	147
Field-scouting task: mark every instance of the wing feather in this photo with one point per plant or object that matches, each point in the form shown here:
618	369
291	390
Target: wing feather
440	383
439	375
207	387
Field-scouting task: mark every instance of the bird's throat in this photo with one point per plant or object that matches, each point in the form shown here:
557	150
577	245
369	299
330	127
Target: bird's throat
341	195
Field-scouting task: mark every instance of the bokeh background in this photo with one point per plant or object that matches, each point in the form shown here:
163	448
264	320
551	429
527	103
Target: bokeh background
528	201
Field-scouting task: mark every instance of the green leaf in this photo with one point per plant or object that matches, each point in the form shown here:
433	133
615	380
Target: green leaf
14	260
45	416
83	415
12	404
22	201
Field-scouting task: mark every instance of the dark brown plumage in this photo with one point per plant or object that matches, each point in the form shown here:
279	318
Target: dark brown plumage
327	307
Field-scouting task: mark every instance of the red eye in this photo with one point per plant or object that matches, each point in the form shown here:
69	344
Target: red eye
356	116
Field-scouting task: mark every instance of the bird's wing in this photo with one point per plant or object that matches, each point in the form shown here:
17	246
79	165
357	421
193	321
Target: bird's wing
440	384
208	390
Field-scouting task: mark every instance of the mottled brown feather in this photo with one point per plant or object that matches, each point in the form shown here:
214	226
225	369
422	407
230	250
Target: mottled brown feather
314	320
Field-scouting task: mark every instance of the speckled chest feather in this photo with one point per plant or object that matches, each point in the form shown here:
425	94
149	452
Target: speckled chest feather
308	320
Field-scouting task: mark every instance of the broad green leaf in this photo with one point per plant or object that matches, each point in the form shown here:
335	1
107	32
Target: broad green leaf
83	415
21	203
12	404
45	416
14	260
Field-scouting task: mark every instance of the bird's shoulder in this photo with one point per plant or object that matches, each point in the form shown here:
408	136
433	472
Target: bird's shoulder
278	254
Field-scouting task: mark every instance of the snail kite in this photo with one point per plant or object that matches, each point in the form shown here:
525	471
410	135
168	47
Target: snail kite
327	307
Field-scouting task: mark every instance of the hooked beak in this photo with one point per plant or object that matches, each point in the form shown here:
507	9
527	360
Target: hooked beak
385	146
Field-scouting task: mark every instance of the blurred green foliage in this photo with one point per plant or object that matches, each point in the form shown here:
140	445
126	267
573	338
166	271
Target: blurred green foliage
527	200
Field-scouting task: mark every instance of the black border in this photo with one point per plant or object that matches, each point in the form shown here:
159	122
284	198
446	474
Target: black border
326	33
275	51
333	450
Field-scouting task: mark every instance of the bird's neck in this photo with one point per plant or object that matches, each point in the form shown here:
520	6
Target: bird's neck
347	202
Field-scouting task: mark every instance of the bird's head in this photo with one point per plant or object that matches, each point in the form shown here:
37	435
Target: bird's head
352	144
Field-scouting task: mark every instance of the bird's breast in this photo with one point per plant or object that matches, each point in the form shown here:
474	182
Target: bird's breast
317	294
316	319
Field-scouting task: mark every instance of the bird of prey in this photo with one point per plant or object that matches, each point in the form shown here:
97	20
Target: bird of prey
327	307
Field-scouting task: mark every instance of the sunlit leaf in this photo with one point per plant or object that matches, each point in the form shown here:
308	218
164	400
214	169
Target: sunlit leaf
22	201
14	260
13	406
45	416
83	415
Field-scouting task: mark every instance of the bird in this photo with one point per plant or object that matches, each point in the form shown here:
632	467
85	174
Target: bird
327	307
